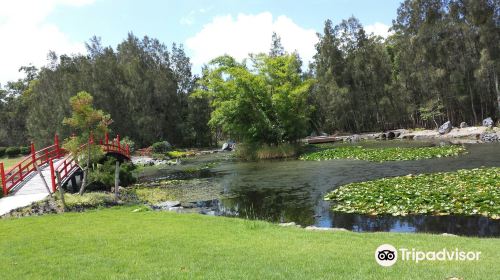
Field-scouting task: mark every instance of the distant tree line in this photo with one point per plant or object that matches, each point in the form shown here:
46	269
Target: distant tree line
441	62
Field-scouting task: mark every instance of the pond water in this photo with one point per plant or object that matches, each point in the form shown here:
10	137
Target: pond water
293	190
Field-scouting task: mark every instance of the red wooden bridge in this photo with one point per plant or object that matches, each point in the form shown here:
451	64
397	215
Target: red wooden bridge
54	162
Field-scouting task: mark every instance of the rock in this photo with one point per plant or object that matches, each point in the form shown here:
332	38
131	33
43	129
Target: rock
390	135
463	125
291	224
489	137
488	122
354	138
229	146
445	128
188	205
315	228
166	205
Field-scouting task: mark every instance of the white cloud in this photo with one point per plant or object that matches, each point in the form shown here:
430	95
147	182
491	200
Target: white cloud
27	38
379	29
190	18
249	34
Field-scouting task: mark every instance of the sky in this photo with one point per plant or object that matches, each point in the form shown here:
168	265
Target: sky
29	29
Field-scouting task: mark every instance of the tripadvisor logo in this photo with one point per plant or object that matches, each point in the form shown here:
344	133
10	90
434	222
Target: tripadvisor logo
387	255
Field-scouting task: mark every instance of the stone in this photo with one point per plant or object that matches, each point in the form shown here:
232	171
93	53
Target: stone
228	146
315	228
390	135
488	122
445	128
166	205
354	138
463	125
488	137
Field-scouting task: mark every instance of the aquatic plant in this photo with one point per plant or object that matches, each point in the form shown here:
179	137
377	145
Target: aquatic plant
463	192
384	154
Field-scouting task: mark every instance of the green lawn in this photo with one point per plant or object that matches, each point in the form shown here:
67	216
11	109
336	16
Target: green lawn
120	244
9	162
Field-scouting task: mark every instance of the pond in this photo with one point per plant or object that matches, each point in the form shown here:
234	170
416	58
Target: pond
293	190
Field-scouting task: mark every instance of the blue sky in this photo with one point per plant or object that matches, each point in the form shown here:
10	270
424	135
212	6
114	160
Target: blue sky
206	28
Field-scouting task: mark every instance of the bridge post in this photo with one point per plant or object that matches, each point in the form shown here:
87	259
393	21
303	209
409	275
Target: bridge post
128	150
52	176
56	143
106	138
2	176
33	152
118	140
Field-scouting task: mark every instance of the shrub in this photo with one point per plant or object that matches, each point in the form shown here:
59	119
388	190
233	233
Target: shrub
24	150
104	174
131	144
2	151
12	151
253	151
161	147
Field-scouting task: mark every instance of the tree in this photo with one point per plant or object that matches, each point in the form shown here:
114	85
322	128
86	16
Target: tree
88	123
263	104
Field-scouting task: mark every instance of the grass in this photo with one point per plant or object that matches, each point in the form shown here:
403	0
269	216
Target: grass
179	154
9	162
151	195
462	192
118	243
384	154
262	152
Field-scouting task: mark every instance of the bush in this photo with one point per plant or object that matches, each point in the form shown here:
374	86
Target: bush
252	151
161	147
2	151
104	174
24	150
127	141
12	151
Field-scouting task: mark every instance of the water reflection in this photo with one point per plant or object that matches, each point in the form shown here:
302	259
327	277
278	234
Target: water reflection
293	190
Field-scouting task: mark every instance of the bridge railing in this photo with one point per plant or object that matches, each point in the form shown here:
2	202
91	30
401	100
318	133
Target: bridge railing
65	167
68	165
21	170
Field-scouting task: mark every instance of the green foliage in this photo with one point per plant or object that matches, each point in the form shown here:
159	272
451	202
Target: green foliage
463	192
152	195
264	104
2	151
24	150
178	154
12	151
104	174
432	110
254	152
88	200
161	147
384	154
127	141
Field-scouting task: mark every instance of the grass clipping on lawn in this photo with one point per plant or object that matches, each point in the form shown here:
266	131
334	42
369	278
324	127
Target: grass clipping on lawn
463	192
385	154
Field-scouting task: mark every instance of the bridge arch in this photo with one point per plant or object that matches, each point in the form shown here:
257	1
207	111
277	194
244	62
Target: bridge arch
60	163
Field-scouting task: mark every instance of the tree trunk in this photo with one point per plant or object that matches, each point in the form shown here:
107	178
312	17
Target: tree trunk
61	191
85	172
117	178
498	93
